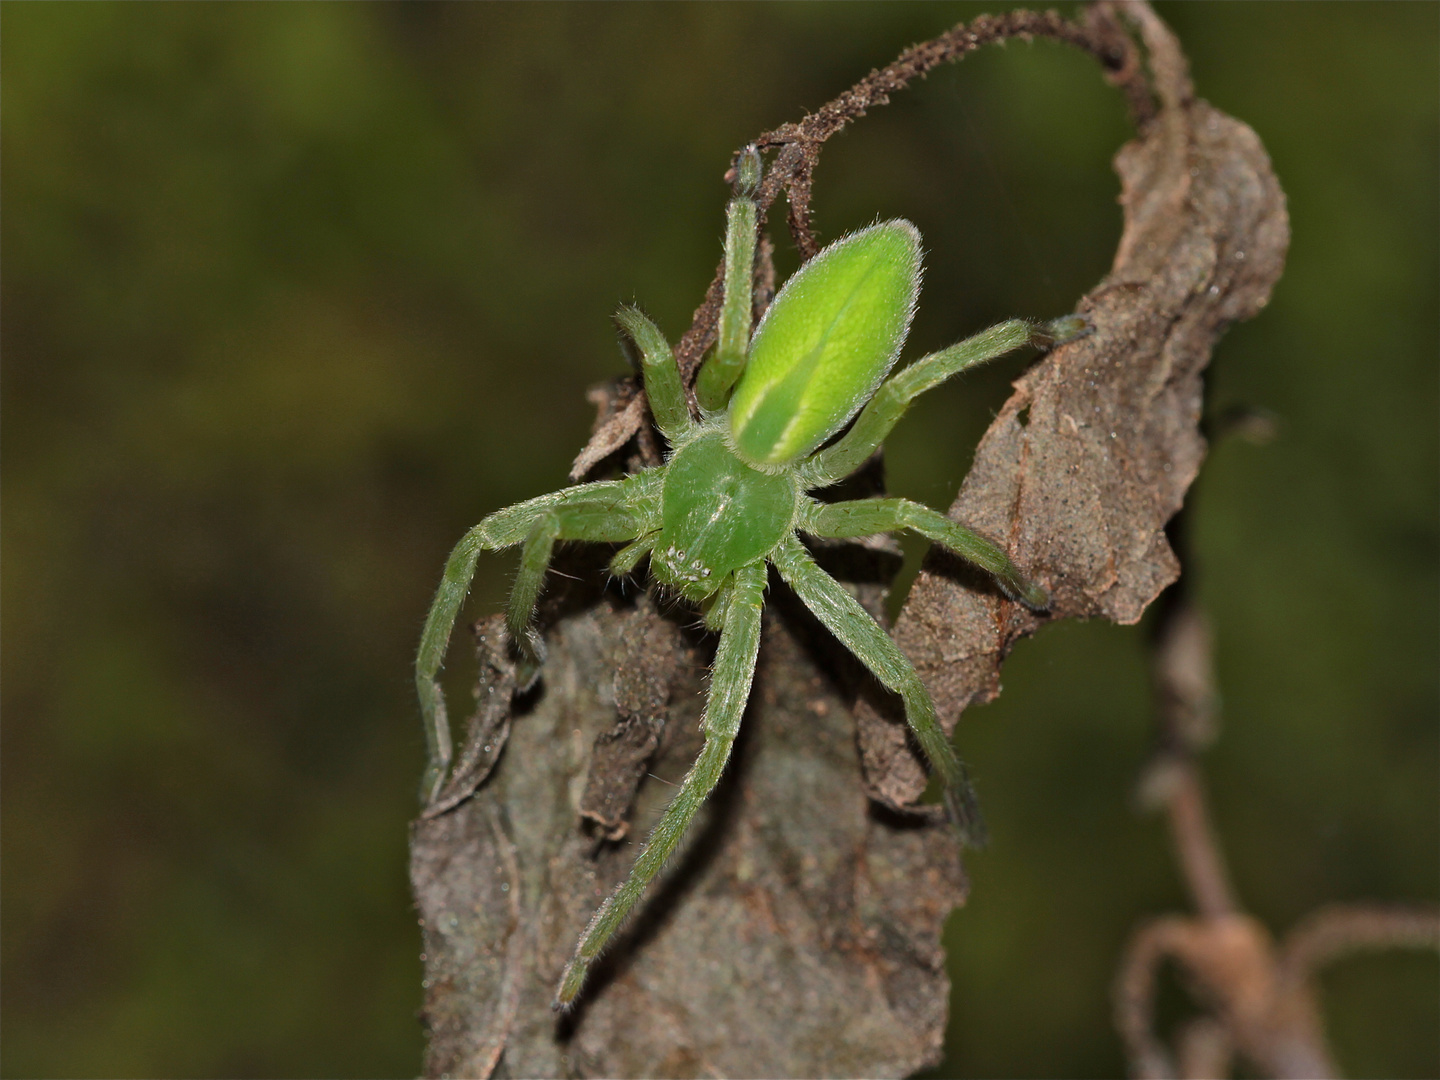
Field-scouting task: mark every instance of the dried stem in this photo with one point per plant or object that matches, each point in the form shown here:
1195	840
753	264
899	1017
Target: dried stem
1196	847
1260	999
800	143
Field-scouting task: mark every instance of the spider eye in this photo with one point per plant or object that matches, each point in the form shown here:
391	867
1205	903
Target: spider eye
831	336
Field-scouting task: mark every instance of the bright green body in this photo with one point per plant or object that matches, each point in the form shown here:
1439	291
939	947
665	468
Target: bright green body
718	514
831	335
731	499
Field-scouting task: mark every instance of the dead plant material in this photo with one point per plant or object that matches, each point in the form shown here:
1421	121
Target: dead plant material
800	932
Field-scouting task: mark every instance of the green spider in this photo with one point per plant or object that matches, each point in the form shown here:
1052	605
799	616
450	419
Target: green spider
732	497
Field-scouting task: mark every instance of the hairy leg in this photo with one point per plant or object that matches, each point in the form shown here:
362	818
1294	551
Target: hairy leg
719	373
894	396
843	616
635	496
729	690
662	376
628	557
573	521
713	610
863	517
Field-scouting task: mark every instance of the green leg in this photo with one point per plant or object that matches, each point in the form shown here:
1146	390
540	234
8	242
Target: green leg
843	616
894	396
719	373
574	521
628	557
729	690
662	376
629	499
864	517
534	561
713	609
459	569
508	527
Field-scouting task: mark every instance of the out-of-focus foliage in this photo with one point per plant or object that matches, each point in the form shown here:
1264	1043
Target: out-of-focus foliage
294	294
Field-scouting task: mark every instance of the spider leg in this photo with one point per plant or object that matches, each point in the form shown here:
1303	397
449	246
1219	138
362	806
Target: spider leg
843	616
628	557
508	527
712	611
634	497
662	375
571	521
894	396
729	690
864	517
719	373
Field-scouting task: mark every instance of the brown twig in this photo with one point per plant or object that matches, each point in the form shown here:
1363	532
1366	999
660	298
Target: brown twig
799	144
1260	999
1330	933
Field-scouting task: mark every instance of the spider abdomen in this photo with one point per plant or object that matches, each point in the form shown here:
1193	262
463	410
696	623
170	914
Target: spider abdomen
718	514
823	347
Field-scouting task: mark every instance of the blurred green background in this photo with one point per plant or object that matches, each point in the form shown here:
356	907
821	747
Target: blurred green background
293	295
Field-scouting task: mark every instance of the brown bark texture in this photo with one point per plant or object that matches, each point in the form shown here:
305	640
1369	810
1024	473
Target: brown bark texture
798	934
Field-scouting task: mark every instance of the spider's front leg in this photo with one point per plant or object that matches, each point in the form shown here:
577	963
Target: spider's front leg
610	510
729	690
842	615
865	517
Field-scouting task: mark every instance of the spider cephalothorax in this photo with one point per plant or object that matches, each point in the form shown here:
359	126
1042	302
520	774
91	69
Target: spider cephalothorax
732	498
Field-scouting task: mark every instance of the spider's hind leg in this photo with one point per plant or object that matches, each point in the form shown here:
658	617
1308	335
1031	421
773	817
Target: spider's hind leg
722	370
843	616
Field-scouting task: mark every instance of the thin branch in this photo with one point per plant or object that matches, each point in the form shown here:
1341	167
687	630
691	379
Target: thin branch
1260	1000
799	144
1333	932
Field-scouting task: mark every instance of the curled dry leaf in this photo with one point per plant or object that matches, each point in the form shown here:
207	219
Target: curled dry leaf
645	667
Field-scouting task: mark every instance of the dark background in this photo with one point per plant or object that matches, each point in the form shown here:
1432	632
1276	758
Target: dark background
295	294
